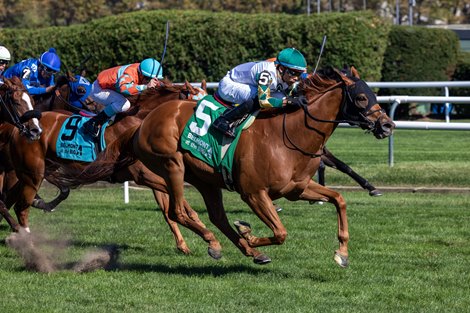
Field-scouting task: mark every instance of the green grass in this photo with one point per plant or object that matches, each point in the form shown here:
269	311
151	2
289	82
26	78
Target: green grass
421	158
409	253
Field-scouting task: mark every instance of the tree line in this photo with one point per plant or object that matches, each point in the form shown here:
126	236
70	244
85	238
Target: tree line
44	13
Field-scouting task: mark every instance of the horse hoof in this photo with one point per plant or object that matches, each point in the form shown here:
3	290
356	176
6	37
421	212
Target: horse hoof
375	193
243	228
277	207
184	250
342	260
261	259
215	254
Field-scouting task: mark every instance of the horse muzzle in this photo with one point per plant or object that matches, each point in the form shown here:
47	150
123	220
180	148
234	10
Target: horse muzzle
383	128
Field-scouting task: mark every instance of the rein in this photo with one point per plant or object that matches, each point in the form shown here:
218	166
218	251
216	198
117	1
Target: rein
346	95
12	113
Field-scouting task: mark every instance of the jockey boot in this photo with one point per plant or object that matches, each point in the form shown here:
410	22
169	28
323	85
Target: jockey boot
224	123
92	126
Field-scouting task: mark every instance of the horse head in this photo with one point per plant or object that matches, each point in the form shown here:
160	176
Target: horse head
16	107
359	105
194	93
71	93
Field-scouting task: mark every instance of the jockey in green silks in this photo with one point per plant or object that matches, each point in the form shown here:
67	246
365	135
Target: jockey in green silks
271	82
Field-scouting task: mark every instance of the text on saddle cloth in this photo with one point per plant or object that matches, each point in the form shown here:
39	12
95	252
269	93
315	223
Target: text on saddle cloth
208	144
74	144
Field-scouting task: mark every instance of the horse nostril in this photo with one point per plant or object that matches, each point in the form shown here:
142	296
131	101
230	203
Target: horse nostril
388	126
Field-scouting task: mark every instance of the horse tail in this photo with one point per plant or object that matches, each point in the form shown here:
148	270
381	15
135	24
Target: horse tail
116	156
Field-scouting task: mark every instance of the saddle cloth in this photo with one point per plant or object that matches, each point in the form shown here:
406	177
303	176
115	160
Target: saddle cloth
208	144
73	144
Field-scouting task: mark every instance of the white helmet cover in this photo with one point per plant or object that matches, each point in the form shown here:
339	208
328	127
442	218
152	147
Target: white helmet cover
4	54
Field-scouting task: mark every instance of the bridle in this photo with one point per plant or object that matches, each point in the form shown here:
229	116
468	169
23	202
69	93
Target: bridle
348	94
12	114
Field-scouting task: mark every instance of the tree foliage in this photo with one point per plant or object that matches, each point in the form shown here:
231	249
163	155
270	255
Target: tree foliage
42	13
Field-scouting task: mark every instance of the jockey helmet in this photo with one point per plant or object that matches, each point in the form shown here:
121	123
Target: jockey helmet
292	58
149	68
50	59
79	91
4	54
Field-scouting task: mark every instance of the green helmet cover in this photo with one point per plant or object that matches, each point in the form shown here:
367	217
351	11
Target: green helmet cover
292	58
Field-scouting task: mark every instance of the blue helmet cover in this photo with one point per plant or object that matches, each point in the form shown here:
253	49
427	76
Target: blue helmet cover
79	91
50	59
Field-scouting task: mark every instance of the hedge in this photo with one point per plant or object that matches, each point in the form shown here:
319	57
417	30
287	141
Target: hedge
206	45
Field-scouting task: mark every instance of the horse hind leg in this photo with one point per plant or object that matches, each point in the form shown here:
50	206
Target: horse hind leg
174	177
164	203
317	192
214	204
41	204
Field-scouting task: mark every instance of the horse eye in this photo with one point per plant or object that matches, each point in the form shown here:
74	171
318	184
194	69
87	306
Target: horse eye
361	100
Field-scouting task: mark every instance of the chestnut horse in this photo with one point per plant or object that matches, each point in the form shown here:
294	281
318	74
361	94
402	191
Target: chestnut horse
37	161
276	157
16	109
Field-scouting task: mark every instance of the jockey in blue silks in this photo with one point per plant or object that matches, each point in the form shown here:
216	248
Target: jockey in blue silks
271	83
37	74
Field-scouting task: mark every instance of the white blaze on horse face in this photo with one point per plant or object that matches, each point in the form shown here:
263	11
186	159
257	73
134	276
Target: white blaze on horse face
26	98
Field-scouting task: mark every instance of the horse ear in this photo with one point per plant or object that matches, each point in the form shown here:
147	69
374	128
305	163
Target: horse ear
70	76
354	72
204	85
189	87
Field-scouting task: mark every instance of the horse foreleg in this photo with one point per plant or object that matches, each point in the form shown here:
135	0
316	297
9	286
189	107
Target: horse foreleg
164	204
23	204
212	196
10	220
330	160
317	192
263	207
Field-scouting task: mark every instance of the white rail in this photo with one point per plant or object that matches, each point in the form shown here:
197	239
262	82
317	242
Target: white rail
397	100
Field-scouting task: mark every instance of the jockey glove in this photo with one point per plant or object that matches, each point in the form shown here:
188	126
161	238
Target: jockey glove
298	101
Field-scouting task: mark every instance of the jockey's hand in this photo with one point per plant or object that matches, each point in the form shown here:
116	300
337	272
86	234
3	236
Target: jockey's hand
298	101
50	88
153	83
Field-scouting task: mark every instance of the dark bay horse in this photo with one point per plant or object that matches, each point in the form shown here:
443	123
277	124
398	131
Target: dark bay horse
36	161
328	159
276	157
16	110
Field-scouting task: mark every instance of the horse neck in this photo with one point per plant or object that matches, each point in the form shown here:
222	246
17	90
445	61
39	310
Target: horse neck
152	102
312	133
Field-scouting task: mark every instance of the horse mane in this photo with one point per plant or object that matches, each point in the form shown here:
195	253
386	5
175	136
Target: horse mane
136	101
166	87
323	79
62	80
13	83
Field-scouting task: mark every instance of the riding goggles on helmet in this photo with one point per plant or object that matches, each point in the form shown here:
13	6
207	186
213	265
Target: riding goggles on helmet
293	73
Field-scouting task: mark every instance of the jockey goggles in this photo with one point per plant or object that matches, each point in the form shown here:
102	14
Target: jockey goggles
48	70
4	62
293	73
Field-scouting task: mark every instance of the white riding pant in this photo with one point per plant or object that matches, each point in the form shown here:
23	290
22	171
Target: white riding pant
236	92
113	101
